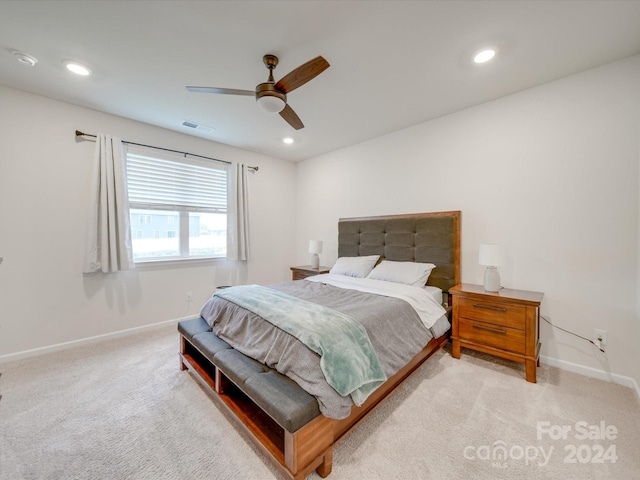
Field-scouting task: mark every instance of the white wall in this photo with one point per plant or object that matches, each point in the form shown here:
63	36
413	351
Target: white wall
637	341
551	172
44	172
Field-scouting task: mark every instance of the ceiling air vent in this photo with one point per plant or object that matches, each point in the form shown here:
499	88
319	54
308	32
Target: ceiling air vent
196	126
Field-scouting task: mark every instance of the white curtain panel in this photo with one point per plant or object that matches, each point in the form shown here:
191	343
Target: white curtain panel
108	247
238	213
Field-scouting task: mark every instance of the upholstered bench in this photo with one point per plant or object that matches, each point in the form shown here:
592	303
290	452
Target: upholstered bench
276	395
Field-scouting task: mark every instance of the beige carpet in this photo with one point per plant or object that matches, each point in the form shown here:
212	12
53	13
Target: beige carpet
123	410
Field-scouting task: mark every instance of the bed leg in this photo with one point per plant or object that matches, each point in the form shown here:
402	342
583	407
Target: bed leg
327	463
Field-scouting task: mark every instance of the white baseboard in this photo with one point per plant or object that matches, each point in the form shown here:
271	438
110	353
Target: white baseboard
87	341
593	373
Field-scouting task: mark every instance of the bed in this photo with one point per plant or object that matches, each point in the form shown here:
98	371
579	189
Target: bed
295	424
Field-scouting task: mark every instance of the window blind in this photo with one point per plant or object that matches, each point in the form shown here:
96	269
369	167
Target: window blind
181	183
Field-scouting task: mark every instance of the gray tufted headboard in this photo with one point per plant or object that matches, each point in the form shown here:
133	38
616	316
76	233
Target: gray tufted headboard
421	237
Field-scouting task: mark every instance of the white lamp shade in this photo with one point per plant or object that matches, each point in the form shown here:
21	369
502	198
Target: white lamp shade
492	255
271	103
315	246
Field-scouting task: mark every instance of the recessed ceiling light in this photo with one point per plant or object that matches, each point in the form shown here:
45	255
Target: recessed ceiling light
26	59
288	140
76	68
484	55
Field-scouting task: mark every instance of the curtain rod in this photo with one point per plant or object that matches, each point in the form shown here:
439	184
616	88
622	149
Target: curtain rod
82	134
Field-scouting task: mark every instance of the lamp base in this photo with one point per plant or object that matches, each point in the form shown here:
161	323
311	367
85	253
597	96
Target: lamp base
491	280
315	261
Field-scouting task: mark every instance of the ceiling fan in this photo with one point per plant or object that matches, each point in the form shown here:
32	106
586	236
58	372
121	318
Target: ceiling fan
272	95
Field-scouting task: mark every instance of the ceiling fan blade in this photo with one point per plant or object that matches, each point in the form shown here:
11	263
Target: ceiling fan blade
291	117
228	91
302	74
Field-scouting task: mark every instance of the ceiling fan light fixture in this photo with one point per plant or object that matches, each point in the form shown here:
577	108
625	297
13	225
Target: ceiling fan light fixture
271	103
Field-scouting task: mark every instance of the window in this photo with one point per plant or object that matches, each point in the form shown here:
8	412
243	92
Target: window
178	205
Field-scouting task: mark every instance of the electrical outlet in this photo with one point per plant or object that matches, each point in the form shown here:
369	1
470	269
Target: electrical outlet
601	338
189	296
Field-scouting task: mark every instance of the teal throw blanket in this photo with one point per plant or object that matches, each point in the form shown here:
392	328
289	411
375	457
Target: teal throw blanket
347	358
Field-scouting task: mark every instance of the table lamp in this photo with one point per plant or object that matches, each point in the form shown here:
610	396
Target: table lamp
315	247
492	256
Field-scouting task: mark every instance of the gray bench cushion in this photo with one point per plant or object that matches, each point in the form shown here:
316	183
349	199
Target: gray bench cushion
209	344
282	398
238	367
192	327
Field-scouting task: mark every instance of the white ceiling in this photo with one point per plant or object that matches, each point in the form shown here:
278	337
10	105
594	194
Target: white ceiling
393	63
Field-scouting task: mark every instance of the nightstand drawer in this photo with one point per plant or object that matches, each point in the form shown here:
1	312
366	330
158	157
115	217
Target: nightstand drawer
492	335
496	313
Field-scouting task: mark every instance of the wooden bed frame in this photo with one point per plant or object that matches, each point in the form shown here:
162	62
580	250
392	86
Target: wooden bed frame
425	237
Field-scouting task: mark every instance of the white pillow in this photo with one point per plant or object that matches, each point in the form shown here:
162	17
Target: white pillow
409	273
358	267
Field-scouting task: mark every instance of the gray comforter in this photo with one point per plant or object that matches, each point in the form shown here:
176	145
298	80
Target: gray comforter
393	326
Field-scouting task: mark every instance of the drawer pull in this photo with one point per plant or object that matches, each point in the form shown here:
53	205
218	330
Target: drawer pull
494	330
498	309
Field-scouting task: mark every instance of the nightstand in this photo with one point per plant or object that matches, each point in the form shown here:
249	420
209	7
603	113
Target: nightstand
504	323
304	271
